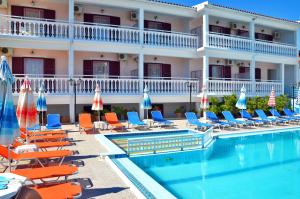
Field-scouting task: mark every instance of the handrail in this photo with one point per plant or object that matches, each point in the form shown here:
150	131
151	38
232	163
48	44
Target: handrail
34	19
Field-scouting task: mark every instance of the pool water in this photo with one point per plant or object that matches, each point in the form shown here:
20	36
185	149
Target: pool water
261	166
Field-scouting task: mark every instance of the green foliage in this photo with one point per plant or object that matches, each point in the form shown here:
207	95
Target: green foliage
215	105
180	109
229	104
120	111
282	102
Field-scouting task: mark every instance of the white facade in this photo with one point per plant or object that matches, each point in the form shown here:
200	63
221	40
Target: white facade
113	42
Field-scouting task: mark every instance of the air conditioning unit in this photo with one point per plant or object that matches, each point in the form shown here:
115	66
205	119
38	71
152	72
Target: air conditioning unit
133	16
229	62
276	35
233	25
123	57
7	51
77	9
3	3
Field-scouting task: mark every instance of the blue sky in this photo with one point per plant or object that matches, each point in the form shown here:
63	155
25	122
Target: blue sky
288	9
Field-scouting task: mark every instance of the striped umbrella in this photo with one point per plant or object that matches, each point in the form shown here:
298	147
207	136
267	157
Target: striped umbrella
272	101
242	102
41	104
26	110
298	97
97	102
9	127
146	105
204	101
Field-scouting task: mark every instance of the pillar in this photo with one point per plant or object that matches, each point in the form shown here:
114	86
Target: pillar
252	34
141	78
71	59
205	70
282	77
141	25
205	30
252	76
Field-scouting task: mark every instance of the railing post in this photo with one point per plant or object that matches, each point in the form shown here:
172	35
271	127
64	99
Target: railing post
141	80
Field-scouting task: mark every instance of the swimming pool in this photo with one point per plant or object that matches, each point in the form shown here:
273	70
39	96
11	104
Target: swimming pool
259	166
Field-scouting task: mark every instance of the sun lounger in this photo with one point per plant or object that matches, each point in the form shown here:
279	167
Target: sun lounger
247	116
230	118
134	120
56	137
213	117
53	121
289	113
262	115
85	122
44	146
113	121
159	119
192	120
51	191
47	172
276	114
38	156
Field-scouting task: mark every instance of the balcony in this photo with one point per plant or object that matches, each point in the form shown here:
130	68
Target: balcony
23	27
221	41
222	87
109	85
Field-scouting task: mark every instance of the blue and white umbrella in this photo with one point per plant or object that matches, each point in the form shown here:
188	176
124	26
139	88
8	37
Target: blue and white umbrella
242	102
146	105
41	104
9	127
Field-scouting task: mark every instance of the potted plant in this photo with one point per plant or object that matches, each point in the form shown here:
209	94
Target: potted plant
179	112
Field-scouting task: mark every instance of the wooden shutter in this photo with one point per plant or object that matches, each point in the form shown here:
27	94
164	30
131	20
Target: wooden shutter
17	11
49	67
258	73
18	65
115	21
49	14
242	69
114	68
88	17
167	26
146	66
87	68
226	71
146	24
166	70
210	71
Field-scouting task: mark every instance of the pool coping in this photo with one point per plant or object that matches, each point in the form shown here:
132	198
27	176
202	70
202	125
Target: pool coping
141	183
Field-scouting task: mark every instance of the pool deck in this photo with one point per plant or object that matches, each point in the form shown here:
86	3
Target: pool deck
106	182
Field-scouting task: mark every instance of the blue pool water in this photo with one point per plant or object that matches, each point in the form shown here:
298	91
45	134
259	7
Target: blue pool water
261	166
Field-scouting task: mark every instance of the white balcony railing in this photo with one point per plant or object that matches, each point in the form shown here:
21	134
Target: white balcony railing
227	87
29	27
216	40
170	39
96	32
110	86
229	42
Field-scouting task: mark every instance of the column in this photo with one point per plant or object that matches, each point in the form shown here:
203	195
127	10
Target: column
141	25
282	77
252	34
252	76
141	78
205	70
71	60
205	30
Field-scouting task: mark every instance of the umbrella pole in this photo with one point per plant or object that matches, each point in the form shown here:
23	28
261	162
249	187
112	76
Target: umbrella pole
42	120
99	115
9	159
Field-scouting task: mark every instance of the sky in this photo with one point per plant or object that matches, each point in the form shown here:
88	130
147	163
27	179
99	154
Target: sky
287	9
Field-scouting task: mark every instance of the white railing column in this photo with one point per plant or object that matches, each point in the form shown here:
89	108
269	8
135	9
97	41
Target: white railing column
71	59
205	69
205	30
141	25
252	76
141	80
252	34
282	77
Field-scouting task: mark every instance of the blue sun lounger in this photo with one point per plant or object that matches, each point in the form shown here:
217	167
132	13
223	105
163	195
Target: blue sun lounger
159	119
213	117
53	121
289	113
134	120
262	115
229	117
34	128
248	116
275	113
192	120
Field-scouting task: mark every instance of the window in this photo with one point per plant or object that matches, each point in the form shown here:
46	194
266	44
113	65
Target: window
134	73
101	68
219	71
155	25
272	74
34	66
244	73
197	74
219	29
33	12
154	70
216	71
101	19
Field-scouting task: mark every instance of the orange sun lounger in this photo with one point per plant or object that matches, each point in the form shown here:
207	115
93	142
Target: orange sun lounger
44	137
47	172
45	145
112	120
38	156
68	190
85	122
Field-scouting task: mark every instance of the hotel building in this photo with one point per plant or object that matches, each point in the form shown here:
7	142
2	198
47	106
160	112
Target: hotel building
126	44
